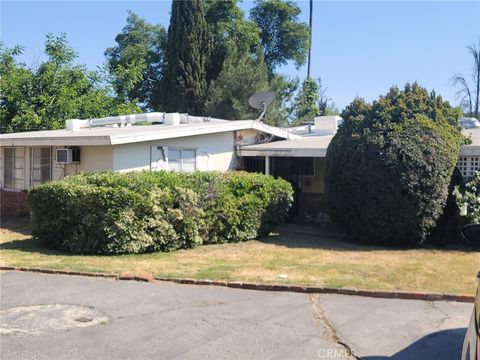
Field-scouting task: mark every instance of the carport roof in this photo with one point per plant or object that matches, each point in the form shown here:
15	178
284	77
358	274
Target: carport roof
316	146
308	146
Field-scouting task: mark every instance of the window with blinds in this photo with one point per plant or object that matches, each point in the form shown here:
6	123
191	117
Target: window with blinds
41	165
13	174
181	160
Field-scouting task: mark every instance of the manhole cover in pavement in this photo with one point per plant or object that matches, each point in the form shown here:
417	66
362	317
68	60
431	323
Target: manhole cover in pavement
39	319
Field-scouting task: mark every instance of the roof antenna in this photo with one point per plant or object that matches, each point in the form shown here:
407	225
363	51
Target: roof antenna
260	101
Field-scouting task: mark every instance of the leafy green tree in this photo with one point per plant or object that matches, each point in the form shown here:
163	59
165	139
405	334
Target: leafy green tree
42	98
283	36
312	101
242	76
175	74
16	82
229	29
325	104
238	69
280	112
188	49
136	62
388	168
307	101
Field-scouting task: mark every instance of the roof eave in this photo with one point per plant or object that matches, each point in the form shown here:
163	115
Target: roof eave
257	125
179	133
126	138
468	150
283	152
60	141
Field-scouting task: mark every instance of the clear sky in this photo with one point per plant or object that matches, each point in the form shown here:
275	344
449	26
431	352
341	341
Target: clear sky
359	48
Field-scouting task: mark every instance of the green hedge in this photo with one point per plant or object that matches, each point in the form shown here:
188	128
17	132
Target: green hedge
113	213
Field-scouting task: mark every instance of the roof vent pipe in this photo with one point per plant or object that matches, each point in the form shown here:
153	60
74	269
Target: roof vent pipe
122	120
172	119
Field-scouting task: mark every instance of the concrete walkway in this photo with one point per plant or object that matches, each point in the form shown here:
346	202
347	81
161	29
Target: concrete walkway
68	317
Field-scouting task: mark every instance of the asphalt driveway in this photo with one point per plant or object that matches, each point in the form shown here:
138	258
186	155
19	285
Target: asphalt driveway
68	317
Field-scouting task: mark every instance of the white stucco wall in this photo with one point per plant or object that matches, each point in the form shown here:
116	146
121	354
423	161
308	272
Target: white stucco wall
213	151
92	158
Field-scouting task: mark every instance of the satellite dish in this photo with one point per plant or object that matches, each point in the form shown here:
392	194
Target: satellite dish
261	100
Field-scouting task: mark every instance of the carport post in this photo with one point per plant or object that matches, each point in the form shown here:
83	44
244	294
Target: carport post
267	165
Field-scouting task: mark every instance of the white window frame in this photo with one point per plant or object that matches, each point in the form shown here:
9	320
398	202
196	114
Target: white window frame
14	168
32	168
181	162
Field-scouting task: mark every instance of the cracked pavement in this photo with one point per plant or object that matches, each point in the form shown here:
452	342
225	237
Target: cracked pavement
170	321
377	329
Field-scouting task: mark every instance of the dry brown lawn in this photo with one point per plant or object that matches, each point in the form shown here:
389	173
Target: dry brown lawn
306	256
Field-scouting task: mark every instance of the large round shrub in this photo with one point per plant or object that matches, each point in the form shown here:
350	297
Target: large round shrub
389	165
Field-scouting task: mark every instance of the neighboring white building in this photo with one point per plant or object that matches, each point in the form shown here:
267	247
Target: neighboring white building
469	123
469	160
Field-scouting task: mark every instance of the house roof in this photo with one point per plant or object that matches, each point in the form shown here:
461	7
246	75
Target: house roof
316	146
308	146
294	145
133	134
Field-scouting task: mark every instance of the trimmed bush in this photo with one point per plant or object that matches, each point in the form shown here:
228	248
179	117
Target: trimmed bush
113	213
88	219
389	166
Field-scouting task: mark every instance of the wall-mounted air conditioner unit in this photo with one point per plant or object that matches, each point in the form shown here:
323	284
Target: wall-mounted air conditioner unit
68	156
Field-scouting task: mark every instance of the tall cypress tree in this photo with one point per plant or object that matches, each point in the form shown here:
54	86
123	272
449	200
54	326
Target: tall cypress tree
188	50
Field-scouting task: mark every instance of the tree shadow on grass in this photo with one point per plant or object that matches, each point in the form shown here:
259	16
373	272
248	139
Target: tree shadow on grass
31	246
300	236
18	224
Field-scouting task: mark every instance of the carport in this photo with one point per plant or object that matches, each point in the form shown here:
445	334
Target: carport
299	161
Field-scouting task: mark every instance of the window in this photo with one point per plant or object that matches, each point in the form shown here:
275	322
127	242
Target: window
468	165
13	175
181	160
41	169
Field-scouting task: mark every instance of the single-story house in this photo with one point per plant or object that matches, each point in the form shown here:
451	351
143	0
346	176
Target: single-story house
179	142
